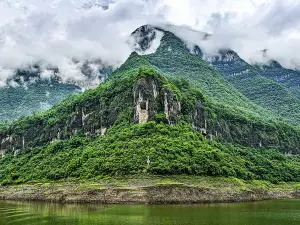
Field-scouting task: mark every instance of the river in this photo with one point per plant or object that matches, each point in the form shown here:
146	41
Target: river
279	212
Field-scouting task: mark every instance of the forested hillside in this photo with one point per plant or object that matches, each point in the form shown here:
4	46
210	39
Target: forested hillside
168	112
255	84
28	91
286	77
128	137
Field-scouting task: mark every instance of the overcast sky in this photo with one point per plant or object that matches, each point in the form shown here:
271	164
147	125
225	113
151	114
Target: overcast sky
54	31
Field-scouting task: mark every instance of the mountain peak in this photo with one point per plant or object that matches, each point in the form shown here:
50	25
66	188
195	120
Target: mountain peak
274	63
146	39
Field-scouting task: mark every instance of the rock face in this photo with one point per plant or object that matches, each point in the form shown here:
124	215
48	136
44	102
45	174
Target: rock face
172	107
146	98
151	97
146	39
92	117
199	118
2	154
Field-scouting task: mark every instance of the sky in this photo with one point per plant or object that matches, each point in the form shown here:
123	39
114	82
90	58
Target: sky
57	31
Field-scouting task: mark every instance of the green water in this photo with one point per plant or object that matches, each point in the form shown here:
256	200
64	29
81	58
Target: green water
281	212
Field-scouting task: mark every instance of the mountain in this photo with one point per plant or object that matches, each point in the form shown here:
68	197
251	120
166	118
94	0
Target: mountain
241	84
169	108
29	91
174	59
168	112
276	95
114	128
33	98
257	85
286	77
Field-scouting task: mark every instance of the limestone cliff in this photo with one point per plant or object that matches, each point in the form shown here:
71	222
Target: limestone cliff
141	99
95	115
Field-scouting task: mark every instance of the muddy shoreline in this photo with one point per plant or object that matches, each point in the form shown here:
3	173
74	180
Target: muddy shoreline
156	194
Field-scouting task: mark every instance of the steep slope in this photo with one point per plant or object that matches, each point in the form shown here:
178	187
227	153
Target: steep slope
114	129
261	90
141	98
34	98
172	58
28	92
286	77
271	99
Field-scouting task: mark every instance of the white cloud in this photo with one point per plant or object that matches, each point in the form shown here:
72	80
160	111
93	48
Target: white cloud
4	76
246	26
56	31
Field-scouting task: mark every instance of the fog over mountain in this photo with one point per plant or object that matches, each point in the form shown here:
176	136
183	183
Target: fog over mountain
59	33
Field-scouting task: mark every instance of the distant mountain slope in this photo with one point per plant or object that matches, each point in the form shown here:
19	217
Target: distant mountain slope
250	81
34	98
28	92
286	77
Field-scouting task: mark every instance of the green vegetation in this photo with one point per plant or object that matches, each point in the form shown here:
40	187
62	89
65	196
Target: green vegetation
123	151
172	150
240	139
286	77
271	87
179	63
32	98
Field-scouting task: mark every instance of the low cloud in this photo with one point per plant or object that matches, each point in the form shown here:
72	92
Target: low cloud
55	32
248	28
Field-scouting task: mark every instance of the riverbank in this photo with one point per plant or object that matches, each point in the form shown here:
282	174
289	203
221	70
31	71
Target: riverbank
151	190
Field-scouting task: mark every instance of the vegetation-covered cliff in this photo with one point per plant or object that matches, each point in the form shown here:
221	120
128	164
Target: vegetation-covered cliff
115	128
164	113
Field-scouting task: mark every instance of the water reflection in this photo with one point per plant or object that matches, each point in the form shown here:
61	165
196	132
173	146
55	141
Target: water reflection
281	212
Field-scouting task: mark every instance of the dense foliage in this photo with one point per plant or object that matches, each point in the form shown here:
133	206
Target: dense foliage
236	123
32	98
267	86
286	77
124	150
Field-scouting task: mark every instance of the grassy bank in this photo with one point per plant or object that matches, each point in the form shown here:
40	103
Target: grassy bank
151	190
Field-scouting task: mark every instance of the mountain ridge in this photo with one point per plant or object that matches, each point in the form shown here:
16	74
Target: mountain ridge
111	130
254	96
169	108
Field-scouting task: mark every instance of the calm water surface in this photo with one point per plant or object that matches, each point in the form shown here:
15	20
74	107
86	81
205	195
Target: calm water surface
281	212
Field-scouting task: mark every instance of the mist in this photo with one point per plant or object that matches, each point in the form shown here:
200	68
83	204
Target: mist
54	32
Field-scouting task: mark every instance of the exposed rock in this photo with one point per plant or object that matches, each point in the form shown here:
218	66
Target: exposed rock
103	130
199	118
146	194
95	117
2	153
142	109
146	99
172	107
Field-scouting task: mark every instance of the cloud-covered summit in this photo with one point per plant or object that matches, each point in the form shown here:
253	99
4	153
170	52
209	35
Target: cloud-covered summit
54	32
